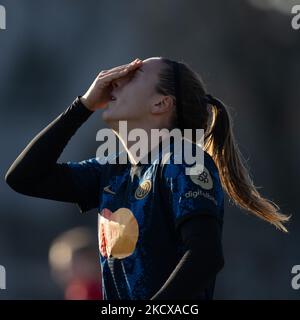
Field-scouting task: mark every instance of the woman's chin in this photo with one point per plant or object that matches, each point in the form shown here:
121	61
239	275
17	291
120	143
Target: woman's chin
108	115
105	115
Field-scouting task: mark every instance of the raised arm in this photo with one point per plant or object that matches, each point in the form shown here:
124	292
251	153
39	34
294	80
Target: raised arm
36	172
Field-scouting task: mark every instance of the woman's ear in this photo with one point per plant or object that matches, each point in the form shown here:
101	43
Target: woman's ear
162	105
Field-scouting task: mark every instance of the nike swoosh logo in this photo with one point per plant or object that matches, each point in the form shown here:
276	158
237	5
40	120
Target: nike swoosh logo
108	190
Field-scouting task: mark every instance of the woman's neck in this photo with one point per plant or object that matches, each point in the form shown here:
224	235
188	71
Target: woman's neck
141	141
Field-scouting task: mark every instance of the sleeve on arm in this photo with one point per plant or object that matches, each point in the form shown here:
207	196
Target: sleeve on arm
86	177
202	260
36	172
194	195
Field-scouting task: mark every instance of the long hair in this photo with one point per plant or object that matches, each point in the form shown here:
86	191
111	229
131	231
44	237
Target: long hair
219	141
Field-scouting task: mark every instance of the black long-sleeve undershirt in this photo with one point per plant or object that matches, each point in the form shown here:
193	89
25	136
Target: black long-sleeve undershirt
37	173
199	264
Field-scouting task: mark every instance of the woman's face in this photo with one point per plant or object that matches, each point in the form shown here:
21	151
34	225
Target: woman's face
135	94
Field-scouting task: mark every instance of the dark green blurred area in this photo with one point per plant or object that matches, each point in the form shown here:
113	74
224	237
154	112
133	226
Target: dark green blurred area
248	55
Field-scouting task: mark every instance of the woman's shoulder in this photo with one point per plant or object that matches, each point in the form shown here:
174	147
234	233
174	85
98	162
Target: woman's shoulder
182	158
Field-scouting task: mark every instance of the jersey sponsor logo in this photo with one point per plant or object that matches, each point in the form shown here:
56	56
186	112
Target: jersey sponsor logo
143	189
107	189
118	233
203	179
199	192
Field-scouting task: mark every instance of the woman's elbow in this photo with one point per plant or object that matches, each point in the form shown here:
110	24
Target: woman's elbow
15	180
219	263
11	180
215	262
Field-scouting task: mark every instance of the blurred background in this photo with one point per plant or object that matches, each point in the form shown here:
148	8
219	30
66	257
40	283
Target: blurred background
248	55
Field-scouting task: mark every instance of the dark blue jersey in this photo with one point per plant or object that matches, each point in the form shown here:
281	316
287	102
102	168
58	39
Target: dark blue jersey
140	209
146	251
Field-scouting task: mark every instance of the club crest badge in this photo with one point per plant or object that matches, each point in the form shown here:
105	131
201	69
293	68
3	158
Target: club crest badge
143	189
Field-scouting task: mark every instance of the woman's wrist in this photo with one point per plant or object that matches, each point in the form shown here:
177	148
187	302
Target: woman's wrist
87	103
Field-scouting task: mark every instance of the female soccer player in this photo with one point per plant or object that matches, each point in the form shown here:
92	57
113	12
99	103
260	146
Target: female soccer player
159	228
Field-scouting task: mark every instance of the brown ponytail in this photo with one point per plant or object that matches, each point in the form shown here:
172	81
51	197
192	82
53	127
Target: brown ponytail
218	140
219	143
